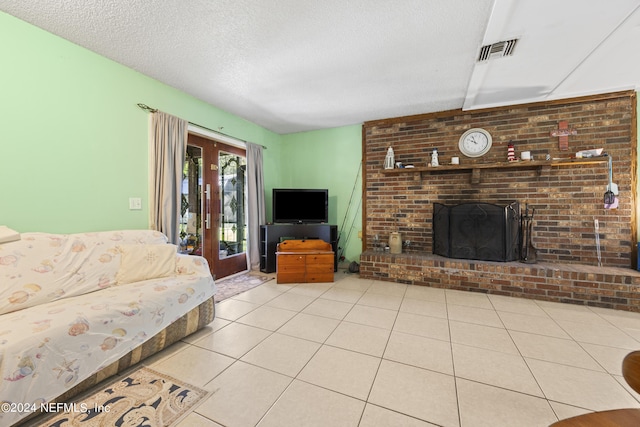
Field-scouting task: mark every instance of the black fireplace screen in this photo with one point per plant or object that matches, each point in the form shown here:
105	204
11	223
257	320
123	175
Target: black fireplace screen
482	231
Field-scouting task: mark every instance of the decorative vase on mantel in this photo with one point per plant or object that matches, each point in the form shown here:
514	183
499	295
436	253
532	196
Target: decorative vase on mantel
395	243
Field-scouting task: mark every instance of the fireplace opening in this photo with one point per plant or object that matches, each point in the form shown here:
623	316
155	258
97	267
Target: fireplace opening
480	231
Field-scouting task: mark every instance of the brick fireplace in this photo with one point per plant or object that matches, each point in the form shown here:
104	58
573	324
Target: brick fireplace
567	196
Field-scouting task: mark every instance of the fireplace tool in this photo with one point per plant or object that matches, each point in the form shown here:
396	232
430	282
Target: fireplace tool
610	199
528	253
597	232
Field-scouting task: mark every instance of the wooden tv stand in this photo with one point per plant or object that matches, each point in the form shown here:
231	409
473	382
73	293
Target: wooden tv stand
304	261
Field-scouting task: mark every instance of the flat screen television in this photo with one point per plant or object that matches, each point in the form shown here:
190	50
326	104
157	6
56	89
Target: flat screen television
300	205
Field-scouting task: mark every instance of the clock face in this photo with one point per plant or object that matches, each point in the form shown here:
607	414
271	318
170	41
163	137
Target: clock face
475	142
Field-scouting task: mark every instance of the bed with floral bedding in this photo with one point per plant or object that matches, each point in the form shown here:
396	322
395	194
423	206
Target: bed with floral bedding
77	308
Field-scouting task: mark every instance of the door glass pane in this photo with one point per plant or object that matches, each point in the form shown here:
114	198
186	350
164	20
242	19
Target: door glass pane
233	229
191	233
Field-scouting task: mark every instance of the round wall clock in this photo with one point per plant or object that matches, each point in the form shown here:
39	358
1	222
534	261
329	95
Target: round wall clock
475	142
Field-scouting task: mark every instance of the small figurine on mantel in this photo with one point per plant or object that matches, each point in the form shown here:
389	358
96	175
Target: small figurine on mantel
389	159
434	158
511	152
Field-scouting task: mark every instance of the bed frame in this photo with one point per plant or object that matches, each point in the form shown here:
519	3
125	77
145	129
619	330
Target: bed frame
192	321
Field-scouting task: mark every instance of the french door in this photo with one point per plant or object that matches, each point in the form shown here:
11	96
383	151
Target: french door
214	220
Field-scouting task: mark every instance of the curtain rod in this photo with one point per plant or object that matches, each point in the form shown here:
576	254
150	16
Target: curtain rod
153	110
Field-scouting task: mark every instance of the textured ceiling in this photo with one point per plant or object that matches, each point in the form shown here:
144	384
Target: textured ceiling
297	65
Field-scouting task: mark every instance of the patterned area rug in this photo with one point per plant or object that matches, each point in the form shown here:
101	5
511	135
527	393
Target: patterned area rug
229	287
143	398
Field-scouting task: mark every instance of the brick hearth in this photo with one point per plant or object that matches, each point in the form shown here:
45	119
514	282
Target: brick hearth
607	287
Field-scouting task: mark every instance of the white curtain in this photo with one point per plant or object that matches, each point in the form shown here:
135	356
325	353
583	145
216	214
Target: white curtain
256	204
168	144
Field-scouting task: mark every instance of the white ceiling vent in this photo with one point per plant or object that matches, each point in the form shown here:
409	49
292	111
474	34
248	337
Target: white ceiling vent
497	50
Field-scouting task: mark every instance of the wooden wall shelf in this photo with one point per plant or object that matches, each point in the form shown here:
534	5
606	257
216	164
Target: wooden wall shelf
476	168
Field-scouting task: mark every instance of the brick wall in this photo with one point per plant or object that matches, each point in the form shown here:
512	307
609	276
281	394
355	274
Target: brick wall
567	199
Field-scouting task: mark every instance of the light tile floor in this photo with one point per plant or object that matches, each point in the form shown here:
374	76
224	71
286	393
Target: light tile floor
368	353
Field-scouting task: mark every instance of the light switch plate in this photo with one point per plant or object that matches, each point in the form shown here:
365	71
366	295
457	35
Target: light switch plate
135	203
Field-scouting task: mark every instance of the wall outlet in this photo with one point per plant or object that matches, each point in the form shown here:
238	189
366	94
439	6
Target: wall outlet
135	203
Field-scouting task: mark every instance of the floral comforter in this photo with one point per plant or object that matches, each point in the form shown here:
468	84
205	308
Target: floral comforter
47	348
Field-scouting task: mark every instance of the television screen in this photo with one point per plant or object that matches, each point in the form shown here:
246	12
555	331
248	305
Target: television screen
300	206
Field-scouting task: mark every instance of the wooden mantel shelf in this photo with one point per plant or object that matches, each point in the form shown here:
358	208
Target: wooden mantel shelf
476	168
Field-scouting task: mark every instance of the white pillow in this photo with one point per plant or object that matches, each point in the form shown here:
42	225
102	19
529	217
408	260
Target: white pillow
8	235
144	262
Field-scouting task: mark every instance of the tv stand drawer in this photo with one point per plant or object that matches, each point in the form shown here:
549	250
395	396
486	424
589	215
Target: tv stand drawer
304	261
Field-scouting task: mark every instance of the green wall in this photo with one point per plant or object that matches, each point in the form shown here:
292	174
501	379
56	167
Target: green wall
329	159
73	143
